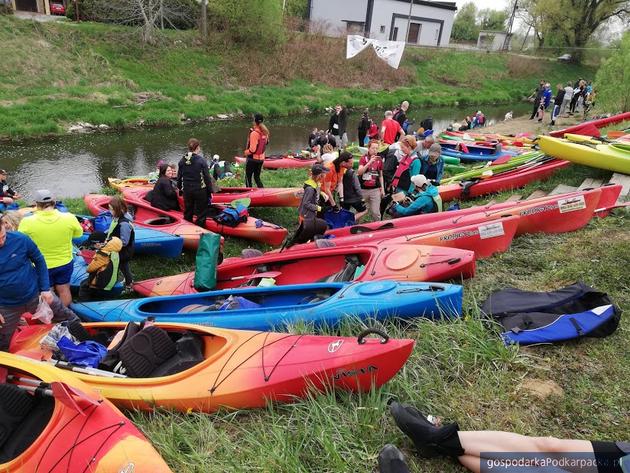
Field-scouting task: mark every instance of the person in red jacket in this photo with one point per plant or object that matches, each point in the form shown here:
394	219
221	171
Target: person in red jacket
255	152
390	129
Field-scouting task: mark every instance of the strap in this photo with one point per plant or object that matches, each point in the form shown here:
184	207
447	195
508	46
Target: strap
577	326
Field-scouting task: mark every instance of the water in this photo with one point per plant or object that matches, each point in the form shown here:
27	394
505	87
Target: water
72	166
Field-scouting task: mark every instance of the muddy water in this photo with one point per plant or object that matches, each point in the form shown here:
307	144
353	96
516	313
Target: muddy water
72	166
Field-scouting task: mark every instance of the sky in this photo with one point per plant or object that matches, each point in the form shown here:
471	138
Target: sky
481	4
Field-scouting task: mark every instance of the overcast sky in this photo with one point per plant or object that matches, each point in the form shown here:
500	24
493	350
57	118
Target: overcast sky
481	4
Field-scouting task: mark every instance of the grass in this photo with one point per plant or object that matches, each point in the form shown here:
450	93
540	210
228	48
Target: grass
459	370
54	75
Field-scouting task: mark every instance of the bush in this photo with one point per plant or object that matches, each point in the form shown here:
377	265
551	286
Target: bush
5	7
613	79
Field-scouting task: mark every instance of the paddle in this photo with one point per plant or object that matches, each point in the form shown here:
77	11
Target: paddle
68	395
268	274
501	160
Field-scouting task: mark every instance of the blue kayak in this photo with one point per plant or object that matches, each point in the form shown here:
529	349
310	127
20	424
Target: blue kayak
79	274
151	242
474	156
267	308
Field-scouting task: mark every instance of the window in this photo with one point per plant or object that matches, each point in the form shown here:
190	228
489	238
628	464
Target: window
355	26
382	28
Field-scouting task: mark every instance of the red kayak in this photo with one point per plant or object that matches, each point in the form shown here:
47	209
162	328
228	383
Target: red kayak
282	162
365	263
476	232
549	214
252	229
503	181
154	219
591	128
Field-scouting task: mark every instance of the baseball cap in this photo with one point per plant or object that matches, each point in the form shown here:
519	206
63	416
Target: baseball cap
419	180
318	169
43	196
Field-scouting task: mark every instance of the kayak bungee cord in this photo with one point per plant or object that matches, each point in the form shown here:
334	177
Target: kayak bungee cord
262	354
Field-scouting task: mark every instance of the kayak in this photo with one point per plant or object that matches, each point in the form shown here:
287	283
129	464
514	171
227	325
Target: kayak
522	140
549	214
55	423
252	229
503	181
151	218
281	162
323	305
80	274
475	232
591	128
265	197
476	156
206	368
150	242
365	263
602	156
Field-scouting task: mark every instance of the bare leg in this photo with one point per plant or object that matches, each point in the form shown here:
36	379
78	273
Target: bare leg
63	291
482	444
359	215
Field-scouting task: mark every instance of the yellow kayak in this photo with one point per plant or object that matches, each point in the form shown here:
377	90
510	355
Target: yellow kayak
588	153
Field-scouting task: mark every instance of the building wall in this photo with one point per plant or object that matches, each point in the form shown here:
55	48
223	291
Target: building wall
329	14
485	37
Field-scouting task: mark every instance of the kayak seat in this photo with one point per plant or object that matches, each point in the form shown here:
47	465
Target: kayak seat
348	271
112	359
189	352
144	352
163	220
23	418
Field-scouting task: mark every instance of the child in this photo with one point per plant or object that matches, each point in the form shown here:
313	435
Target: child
102	272
352	197
310	224
541	111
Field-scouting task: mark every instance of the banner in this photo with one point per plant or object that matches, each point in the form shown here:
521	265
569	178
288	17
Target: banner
389	51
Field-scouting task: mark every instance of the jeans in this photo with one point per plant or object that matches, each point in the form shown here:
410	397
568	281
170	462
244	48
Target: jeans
564	106
253	167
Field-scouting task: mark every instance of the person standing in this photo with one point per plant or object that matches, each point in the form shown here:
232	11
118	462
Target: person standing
408	166
578	93
401	115
256	145
337	125
390	129
557	104
53	231
537	96
193	182
370	174
432	166
566	101
122	228
364	127
547	95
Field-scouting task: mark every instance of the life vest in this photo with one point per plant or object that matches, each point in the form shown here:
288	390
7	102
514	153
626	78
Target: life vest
114	231
402	178
106	278
261	146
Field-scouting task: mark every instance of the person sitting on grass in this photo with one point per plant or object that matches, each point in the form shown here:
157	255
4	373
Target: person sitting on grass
7	195
102	271
164	193
432	165
494	450
310	224
425	199
352	198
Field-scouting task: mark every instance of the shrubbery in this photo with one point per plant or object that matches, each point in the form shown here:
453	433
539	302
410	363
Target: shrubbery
612	82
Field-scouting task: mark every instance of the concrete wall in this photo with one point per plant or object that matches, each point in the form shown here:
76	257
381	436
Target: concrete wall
491	40
329	15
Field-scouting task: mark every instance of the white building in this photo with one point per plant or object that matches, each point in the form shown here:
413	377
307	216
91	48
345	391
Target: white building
494	40
429	24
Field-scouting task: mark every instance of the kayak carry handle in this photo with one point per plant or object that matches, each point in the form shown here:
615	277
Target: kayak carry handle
375	331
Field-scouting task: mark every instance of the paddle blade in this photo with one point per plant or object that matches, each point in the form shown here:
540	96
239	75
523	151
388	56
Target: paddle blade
501	160
72	397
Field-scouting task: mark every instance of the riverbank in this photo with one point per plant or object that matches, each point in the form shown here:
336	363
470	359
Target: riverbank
458	370
55	76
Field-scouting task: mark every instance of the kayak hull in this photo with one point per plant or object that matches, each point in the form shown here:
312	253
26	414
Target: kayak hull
245	369
150	242
373	262
602	156
591	127
94	437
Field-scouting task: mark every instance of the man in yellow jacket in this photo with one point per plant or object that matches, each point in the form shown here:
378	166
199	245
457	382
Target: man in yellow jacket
53	231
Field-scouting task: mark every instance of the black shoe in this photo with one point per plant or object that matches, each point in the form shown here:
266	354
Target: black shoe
430	441
391	460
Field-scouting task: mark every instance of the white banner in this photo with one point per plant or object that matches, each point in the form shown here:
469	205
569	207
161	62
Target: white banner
389	51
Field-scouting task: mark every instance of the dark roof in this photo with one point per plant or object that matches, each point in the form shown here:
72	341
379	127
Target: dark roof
443	5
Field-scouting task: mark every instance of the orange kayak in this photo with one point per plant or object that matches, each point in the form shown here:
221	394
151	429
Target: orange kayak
204	368
265	197
58	424
372	262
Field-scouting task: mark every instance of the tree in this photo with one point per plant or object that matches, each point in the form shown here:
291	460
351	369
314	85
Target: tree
612	81
493	20
465	24
256	23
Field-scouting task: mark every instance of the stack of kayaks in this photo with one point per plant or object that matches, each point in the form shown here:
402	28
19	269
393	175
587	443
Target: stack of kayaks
210	368
592	127
588	152
54	422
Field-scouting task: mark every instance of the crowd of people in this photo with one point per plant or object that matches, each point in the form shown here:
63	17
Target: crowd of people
574	97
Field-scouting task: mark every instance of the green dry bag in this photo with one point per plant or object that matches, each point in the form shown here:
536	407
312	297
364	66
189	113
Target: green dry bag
206	261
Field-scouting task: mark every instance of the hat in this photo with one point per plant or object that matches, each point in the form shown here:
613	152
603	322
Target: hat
258	118
318	169
43	196
419	180
216	157
2	171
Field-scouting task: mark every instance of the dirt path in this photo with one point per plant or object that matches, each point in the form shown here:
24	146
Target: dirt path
524	125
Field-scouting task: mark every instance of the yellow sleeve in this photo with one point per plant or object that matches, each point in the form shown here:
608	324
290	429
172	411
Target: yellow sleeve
99	261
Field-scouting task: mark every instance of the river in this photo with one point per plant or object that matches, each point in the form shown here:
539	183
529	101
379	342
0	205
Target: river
74	165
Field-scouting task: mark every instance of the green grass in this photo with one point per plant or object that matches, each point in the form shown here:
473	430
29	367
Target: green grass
459	370
53	75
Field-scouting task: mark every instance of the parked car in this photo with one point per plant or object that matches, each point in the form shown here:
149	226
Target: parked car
565	58
57	9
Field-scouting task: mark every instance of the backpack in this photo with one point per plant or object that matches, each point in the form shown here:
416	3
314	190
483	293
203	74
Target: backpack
575	311
103	221
231	217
